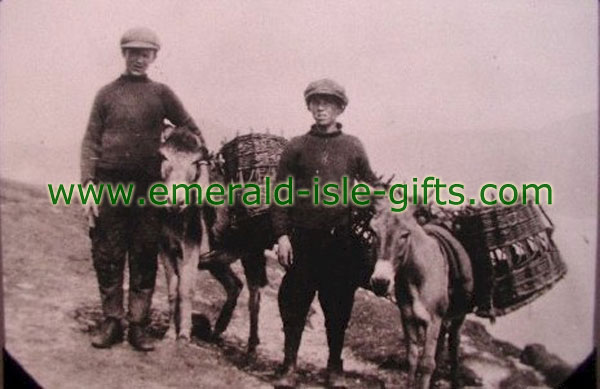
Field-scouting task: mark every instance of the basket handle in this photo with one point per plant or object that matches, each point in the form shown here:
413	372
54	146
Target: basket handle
547	218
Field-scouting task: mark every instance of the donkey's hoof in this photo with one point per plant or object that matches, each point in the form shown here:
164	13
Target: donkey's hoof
216	339
252	345
250	358
184	337
251	352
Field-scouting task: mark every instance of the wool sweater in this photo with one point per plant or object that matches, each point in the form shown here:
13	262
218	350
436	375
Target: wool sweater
125	125
328	156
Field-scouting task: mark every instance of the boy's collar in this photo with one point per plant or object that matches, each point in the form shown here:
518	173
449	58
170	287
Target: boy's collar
314	130
131	77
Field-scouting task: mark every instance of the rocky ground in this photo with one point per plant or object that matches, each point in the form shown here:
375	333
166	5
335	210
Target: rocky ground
52	306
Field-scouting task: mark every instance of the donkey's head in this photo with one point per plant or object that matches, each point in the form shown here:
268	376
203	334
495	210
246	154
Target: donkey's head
393	230
183	162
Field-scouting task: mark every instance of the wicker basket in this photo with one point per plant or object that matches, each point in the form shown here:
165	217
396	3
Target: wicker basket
249	159
514	257
246	153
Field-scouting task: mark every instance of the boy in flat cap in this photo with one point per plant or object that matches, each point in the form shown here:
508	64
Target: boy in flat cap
316	245
121	146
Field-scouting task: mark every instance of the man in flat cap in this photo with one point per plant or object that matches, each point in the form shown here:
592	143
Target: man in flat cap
316	245
121	146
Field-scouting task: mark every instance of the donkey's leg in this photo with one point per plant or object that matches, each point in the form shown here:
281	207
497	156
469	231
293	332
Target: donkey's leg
411	340
254	264
254	308
172	288
454	342
233	286
417	321
441	344
187	282
427	364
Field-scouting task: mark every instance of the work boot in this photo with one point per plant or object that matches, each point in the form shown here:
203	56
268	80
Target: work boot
138	339
110	333
335	374
288	376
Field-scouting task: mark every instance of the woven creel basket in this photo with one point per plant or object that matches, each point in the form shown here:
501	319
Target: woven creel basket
246	153
514	257
250	159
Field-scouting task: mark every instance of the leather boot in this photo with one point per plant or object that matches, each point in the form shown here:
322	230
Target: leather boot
138	339
110	333
288	376
335	374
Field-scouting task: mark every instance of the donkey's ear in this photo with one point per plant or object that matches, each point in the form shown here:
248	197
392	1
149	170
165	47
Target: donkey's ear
204	153
166	132
199	144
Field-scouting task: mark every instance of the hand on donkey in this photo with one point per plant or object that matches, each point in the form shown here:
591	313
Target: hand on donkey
285	253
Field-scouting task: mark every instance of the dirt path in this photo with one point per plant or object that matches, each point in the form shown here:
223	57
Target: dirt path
313	351
52	307
52	304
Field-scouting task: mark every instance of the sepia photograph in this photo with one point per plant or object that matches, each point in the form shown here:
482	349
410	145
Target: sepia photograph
311	194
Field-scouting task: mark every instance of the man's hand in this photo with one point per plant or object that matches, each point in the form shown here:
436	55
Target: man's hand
90	210
285	252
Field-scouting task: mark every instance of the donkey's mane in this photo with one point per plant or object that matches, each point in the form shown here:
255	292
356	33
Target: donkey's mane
182	139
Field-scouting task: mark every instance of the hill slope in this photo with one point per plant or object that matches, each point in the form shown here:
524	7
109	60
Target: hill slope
52	304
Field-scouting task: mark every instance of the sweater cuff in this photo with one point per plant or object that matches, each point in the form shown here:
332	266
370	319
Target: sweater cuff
87	178
279	232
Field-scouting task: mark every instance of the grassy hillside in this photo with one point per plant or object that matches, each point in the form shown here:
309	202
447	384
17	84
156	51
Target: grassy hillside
52	305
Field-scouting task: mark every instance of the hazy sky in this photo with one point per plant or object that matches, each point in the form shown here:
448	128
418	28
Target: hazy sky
407	66
466	88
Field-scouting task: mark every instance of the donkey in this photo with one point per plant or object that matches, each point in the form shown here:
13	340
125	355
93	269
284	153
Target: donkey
186	230
429	274
196	237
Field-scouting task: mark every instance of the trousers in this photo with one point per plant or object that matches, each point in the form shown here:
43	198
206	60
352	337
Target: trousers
126	234
325	263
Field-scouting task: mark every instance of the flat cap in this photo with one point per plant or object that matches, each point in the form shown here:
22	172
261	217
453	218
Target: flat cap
326	87
140	38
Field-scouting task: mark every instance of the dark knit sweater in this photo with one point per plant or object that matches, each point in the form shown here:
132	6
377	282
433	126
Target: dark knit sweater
124	128
329	156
